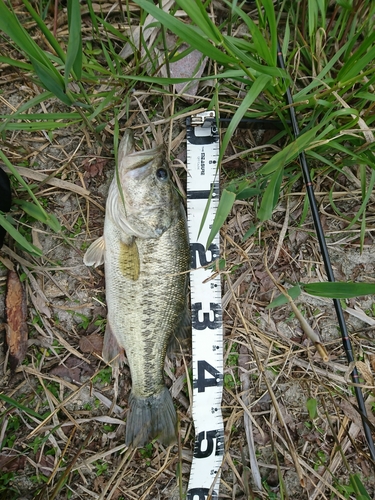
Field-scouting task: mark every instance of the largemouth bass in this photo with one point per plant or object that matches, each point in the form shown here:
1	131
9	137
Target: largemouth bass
145	252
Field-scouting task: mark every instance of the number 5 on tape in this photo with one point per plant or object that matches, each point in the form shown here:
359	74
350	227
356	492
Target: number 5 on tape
207	333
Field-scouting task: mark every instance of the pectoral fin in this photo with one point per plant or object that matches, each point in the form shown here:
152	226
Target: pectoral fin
129	260
94	255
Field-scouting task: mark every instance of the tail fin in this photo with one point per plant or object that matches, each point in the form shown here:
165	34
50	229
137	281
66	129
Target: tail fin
150	418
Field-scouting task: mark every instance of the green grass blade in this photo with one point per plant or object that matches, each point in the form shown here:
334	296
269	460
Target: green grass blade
43	67
46	32
271	195
38	213
23	408
28	247
359	60
252	94
311	405
190	35
272	26
256	88
16	64
292	150
260	43
74	49
196	10
51	80
294	292
53	223
360	491
338	289
225	206
10	24
35	126
24	107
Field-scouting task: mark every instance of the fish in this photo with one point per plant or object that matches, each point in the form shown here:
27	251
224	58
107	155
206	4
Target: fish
145	251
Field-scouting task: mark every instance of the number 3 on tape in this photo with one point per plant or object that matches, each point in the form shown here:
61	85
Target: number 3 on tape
206	310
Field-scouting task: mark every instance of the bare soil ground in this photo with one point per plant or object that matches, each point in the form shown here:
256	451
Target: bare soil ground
76	450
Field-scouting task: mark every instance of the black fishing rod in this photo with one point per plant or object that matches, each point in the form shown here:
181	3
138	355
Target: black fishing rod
328	267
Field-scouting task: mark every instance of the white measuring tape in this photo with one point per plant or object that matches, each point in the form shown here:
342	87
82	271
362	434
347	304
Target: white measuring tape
207	330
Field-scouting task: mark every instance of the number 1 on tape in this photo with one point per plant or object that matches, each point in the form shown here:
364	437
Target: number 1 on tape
207	330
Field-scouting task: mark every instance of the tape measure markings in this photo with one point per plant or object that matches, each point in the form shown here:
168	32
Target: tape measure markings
207	334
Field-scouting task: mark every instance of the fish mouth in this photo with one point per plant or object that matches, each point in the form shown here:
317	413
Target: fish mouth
141	160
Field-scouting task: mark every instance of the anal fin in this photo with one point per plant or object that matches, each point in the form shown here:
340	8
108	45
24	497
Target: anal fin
113	354
182	334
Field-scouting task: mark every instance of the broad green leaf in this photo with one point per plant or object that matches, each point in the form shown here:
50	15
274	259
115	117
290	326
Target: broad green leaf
225	206
311	405
29	247
338	289
293	292
186	32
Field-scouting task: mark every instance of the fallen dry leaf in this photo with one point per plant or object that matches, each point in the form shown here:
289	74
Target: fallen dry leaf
94	166
11	462
73	369
192	65
45	462
92	343
372	361
16	313
72	374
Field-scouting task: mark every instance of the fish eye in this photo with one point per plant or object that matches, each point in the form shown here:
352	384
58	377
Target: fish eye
162	174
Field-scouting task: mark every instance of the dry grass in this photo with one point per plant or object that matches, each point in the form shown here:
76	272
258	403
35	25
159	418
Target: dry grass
273	373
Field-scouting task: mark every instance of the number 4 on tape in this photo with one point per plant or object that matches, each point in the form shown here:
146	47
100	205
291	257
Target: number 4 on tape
207	333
